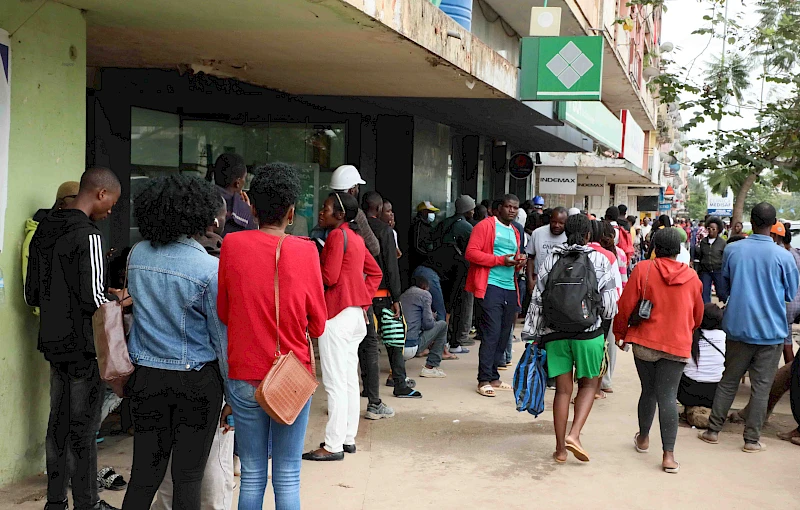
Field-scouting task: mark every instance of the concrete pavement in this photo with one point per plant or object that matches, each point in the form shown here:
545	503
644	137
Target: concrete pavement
455	449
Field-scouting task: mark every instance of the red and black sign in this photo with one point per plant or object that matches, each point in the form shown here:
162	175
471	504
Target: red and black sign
520	166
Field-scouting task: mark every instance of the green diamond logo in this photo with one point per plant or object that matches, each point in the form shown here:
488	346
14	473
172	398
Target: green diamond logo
561	68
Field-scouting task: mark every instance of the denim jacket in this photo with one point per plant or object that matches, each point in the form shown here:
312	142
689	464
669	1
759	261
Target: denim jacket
175	321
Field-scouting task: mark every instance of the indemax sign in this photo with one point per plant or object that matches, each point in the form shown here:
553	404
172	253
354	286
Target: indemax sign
558	180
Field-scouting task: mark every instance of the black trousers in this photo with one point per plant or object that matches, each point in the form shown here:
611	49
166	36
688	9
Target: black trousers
693	394
174	412
498	314
369	359
75	400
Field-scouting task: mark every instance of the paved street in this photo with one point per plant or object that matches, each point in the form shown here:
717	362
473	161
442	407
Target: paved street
455	449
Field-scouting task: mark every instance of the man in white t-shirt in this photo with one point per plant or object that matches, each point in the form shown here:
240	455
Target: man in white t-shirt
542	242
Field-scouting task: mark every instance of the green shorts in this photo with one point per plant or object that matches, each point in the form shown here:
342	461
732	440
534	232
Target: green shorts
585	355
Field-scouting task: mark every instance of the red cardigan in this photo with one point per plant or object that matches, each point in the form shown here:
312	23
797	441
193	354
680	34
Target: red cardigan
481	257
676	293
246	300
343	273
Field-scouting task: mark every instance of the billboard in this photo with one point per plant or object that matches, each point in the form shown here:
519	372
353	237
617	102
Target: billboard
719	205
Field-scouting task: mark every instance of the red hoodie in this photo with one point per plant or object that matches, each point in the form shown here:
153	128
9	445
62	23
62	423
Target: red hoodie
481	257
676	294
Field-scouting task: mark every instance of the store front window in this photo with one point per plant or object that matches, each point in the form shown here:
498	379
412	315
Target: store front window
164	143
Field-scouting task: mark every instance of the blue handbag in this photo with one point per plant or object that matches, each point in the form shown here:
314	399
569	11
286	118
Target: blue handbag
530	380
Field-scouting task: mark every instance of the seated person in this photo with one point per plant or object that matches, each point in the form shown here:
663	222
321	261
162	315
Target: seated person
424	331
704	369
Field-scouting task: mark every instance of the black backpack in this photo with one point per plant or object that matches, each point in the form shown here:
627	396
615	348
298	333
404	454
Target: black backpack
570	299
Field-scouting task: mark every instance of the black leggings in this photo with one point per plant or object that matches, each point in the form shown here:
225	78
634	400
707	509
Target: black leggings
173	412
660	381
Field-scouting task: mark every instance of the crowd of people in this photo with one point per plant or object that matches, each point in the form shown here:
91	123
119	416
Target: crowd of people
219	289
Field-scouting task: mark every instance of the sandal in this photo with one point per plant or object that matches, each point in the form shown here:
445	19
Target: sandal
672	470
503	387
450	357
706	439
578	452
110	479
636	444
486	390
559	461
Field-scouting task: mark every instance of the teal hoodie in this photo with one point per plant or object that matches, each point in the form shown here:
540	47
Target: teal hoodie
762	278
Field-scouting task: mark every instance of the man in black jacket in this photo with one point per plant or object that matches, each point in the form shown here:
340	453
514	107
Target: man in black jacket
387	297
65	280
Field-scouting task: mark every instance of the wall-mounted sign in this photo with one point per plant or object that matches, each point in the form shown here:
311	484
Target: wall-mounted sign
561	68
664	207
545	21
594	119
558	180
520	165
669	193
591	185
632	140
719	205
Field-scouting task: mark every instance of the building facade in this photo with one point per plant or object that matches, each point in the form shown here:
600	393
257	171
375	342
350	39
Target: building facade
426	108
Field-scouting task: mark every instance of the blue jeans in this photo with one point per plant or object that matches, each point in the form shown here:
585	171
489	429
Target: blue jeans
254	428
435	290
719	283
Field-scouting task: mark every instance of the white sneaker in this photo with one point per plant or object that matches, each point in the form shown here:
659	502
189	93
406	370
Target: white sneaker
435	372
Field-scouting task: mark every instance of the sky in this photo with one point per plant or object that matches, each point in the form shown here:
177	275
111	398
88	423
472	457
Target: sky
681	19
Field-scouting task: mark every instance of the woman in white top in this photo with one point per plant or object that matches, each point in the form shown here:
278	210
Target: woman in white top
705	367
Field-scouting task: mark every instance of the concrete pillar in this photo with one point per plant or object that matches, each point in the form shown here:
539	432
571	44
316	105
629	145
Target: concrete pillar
46	147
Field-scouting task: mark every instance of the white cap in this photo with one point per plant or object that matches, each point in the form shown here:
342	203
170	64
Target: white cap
345	177
573	211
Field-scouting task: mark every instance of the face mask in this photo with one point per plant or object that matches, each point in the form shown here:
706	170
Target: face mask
431	217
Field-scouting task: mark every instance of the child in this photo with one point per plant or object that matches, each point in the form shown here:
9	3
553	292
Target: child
704	369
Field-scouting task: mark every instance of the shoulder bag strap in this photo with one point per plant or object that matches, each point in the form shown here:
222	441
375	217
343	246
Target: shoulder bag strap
278	314
709	342
345	239
647	278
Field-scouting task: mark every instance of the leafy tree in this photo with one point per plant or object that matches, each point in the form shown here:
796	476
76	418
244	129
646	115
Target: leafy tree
697	204
768	153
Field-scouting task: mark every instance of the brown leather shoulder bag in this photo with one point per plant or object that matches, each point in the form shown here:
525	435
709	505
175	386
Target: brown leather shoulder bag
285	390
110	343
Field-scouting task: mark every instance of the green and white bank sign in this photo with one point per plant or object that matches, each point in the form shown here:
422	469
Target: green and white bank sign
561	68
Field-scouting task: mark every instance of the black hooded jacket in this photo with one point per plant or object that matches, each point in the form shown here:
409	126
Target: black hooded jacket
66	280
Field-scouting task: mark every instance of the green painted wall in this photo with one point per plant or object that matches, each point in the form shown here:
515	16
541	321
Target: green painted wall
47	147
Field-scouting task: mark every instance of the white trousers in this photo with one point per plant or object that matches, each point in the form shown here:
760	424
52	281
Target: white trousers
217	489
338	354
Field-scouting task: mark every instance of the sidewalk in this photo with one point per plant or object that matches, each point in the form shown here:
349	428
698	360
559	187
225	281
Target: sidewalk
455	449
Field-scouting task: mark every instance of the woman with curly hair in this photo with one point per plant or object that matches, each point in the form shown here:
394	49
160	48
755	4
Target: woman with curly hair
248	268
177	343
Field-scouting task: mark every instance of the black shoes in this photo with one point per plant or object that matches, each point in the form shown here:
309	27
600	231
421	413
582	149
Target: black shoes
63	505
348	448
102	505
323	457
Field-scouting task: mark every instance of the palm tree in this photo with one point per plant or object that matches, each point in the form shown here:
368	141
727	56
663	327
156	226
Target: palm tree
731	75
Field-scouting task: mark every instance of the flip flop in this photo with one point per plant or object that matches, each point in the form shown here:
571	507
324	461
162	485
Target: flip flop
558	461
636	444
451	357
502	367
600	396
795	440
672	470
503	387
607	390
578	452
486	390
761	447
702	437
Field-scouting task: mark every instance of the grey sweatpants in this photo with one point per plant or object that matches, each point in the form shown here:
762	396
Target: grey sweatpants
612	361
762	363
660	380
